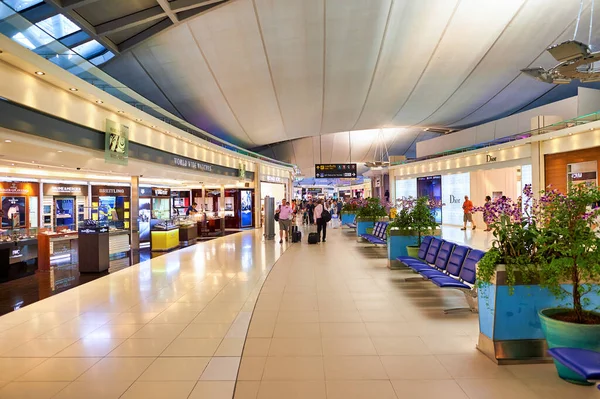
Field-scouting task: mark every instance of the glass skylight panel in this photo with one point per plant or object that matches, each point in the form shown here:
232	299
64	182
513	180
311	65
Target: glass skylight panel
58	26
32	38
19	5
88	49
102	58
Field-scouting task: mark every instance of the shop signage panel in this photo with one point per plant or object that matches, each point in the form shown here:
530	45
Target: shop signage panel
51	189
93	230
145	192
273	179
431	186
161	192
116	145
335	170
454	189
406	188
19	188
314	191
114	191
246	203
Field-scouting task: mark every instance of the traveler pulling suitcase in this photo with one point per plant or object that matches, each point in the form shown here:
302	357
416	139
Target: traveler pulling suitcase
313	238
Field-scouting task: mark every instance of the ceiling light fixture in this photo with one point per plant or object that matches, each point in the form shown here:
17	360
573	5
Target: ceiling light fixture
99	102
8	141
138	120
59	151
73	89
121	112
40	73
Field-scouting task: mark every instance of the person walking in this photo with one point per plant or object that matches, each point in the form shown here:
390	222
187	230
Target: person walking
321	224
310	208
468	213
285	216
486	212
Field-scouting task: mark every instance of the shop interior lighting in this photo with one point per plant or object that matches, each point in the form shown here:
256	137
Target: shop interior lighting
8	141
73	89
40	73
121	112
99	102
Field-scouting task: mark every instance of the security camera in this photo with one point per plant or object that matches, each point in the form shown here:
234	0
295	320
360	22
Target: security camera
78	168
141	175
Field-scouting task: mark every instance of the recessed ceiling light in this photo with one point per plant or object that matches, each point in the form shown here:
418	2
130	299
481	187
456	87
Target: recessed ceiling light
99	102
12	164
59	151
121	112
40	73
62	165
32	161
8	141
73	89
138	119
154	126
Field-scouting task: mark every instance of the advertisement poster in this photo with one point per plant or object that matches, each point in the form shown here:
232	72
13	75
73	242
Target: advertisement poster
456	186
116	149
431	186
246	208
14	208
406	188
106	205
144	219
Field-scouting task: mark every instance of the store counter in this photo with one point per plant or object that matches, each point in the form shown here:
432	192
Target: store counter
17	258
95	257
164	239
118	243
188	233
55	248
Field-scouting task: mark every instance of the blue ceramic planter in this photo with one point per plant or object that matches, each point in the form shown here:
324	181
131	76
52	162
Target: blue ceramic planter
397	241
348	217
362	226
560	334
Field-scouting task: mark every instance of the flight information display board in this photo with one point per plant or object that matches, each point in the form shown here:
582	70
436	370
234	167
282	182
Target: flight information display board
335	170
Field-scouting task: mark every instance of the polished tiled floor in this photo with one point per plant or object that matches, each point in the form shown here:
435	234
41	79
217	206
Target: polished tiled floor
171	327
333	322
330	321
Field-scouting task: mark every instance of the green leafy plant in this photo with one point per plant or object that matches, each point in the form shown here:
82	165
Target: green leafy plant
352	206
372	208
421	220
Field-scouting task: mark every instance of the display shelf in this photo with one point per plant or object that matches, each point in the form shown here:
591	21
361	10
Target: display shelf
53	246
164	240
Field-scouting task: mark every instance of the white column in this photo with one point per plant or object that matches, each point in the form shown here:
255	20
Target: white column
537	169
257	196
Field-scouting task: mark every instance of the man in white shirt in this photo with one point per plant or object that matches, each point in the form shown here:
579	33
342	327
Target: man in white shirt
321	225
285	222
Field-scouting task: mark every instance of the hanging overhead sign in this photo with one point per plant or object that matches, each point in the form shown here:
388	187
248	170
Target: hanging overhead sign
335	170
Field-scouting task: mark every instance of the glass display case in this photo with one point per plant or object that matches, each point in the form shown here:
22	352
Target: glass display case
57	246
188	229
164	234
161	208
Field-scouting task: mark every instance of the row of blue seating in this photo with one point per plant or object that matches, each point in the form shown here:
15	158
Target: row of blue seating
379	236
447	265
351	225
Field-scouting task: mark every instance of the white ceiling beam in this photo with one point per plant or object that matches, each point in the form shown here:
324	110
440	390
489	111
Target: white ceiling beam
167	8
184	5
71	4
131	20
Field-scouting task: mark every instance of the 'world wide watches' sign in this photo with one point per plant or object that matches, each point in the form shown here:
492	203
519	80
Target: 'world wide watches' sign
116	148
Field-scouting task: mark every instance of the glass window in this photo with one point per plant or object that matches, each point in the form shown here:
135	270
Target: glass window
58	26
32	38
102	58
19	5
88	49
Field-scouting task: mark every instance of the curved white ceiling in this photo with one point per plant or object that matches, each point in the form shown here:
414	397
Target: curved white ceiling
266	71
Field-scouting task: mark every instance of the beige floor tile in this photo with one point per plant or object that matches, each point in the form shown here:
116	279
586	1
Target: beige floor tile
445	345
108	331
214	390
159	331
175	369
149	347
391	329
354	368
414	367
93	390
341	316
205	331
8	344
336	330
251	368
348	347
295	347
159	390
41	347
292	390
297	330
381	316
221	369
257	346
496	388
117	369
311	316
70	330
31	390
394	346
428	389
133	318
11	368
555	388
532	371
360	390
182	347
175	317
215	317
59	369
238	330
230	347
474	365
90	347
294	368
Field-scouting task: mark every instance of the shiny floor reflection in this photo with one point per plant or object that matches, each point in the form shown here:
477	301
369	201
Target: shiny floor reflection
173	326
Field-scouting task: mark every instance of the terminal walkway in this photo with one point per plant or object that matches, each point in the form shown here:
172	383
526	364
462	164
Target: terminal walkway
330	321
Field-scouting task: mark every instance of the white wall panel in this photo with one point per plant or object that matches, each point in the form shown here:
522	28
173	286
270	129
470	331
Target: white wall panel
474	27
354	32
231	41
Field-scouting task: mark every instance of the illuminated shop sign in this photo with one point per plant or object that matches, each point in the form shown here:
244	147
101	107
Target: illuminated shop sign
17	188
192	164
161	192
114	191
454	189
65	189
336	170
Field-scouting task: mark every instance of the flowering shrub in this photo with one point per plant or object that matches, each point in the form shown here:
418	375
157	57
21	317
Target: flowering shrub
371	208
353	205
548	241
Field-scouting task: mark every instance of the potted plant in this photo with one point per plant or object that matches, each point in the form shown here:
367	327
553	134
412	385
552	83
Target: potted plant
370	211
421	222
349	210
399	235
570	270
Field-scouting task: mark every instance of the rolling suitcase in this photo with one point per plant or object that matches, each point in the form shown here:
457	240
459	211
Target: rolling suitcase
296	236
313	238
